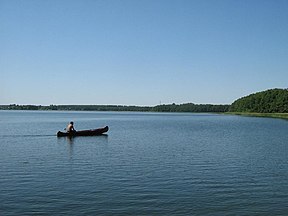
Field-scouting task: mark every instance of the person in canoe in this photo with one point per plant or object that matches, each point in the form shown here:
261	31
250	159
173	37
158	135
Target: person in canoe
70	128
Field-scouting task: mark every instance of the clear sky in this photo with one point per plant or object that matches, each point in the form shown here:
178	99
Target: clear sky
141	52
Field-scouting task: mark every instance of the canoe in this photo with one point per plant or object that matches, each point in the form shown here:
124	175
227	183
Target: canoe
93	132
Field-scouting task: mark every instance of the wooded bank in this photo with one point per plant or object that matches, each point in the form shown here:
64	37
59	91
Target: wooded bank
189	107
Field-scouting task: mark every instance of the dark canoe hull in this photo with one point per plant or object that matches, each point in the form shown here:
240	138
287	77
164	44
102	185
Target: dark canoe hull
95	132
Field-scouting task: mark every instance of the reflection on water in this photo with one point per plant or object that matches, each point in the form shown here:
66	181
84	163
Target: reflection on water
70	140
81	140
70	143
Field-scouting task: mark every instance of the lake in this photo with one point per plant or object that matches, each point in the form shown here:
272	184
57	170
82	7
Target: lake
148	164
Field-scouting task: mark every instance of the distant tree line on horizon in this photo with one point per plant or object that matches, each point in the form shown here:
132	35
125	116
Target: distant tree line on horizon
188	107
269	101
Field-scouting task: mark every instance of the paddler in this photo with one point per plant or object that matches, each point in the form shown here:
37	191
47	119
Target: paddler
70	127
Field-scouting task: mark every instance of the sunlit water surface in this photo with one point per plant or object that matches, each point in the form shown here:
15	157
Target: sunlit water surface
148	164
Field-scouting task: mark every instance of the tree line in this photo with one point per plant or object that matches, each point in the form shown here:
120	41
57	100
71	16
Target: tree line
188	107
269	101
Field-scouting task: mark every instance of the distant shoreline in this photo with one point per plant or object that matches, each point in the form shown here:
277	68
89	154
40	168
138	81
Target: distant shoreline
266	115
188	107
172	108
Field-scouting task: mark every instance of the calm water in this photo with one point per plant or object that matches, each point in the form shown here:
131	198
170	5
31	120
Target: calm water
149	164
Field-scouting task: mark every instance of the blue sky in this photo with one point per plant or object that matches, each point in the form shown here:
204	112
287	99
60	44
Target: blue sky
141	52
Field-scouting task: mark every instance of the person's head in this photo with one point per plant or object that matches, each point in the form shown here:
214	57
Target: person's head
71	122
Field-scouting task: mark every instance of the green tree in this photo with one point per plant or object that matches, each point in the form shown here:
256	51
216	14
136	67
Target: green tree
269	101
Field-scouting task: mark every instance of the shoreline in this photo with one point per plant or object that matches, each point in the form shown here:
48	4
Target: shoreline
265	115
245	114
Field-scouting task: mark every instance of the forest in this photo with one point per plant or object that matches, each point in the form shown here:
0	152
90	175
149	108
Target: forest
269	101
